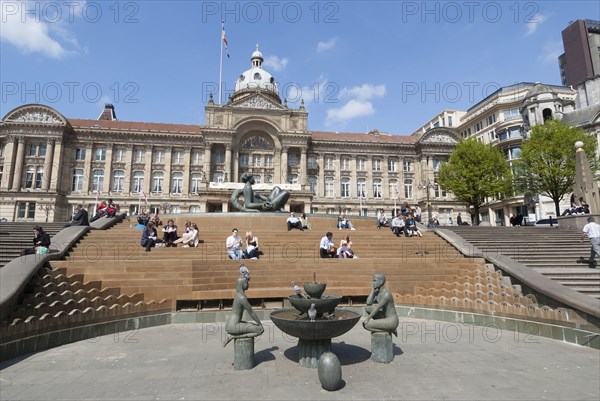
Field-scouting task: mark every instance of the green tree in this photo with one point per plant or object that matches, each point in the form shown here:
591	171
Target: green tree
546	165
475	172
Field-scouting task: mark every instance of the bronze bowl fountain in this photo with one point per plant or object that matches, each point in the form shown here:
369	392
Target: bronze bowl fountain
314	337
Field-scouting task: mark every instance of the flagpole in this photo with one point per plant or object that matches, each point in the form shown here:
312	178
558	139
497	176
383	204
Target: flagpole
221	60
96	204
140	200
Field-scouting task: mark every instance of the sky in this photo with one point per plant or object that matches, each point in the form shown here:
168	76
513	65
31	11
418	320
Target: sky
358	65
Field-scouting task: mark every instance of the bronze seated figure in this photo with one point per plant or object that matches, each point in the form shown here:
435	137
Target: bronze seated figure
255	202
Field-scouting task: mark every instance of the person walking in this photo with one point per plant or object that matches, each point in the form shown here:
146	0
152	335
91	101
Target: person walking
592	231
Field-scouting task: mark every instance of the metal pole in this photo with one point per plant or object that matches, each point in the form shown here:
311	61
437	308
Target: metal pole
429	217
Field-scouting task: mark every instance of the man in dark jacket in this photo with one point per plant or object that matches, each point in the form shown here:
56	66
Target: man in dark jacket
80	218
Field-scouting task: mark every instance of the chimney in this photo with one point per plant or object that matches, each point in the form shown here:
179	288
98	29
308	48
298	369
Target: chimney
108	113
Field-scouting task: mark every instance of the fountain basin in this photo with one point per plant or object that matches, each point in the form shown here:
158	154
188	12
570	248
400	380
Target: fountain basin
321	329
314	289
322	305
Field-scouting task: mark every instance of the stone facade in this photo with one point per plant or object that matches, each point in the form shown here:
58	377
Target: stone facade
50	163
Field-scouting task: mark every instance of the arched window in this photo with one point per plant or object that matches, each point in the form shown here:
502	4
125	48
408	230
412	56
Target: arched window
39	176
361	188
312	182
98	180
138	181
408	188
377	192
177	183
118	180
158	178
29	173
345	187
195	181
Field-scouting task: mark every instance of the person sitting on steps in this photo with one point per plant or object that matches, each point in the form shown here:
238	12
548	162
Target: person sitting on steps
293	222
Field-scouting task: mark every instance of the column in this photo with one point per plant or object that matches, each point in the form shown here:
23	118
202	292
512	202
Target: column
57	167
186	169
128	168
236	166
284	164
48	164
353	178
168	158
9	163
321	183
228	176
87	167
148	169
337	178
369	183
385	185
207	160
16	184
303	179
107	169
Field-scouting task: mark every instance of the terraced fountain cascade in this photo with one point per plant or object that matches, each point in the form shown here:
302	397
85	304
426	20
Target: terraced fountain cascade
314	336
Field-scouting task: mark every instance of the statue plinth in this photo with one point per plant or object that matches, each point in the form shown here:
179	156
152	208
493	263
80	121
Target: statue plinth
382	347
243	353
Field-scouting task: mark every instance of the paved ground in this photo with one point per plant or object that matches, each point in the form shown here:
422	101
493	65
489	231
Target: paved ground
434	361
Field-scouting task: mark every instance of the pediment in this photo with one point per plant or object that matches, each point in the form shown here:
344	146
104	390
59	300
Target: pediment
36	114
439	137
257	102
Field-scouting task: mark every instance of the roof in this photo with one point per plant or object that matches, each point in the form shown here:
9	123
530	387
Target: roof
583	116
354	137
135	126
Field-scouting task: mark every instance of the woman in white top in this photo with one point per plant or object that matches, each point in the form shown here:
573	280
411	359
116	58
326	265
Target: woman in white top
189	238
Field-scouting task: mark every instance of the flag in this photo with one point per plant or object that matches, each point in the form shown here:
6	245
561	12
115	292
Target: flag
145	197
224	39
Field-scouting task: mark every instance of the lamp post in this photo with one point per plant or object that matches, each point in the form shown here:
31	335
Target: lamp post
166	207
47	208
426	185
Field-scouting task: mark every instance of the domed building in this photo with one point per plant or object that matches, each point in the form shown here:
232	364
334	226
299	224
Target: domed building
49	164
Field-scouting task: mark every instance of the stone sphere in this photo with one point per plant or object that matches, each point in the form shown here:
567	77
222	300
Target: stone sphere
330	371
578	145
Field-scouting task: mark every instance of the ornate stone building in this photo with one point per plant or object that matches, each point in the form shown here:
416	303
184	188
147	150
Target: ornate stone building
50	163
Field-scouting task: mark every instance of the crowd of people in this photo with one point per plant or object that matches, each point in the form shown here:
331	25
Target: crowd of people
170	237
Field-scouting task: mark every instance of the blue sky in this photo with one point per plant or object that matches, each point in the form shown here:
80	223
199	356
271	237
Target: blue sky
390	65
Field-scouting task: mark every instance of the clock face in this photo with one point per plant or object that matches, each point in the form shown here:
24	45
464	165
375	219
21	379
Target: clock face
257	76
242	77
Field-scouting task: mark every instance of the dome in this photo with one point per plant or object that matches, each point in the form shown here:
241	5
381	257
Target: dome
256	77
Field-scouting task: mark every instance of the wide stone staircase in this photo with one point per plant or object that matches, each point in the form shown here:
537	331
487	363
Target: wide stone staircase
556	253
107	277
16	236
424	271
59	303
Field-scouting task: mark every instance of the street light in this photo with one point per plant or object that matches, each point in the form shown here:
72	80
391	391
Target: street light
427	184
166	207
47	208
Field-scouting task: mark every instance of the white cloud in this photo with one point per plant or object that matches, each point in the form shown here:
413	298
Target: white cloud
37	33
550	52
352	109
275	63
534	23
364	92
359	104
324	46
